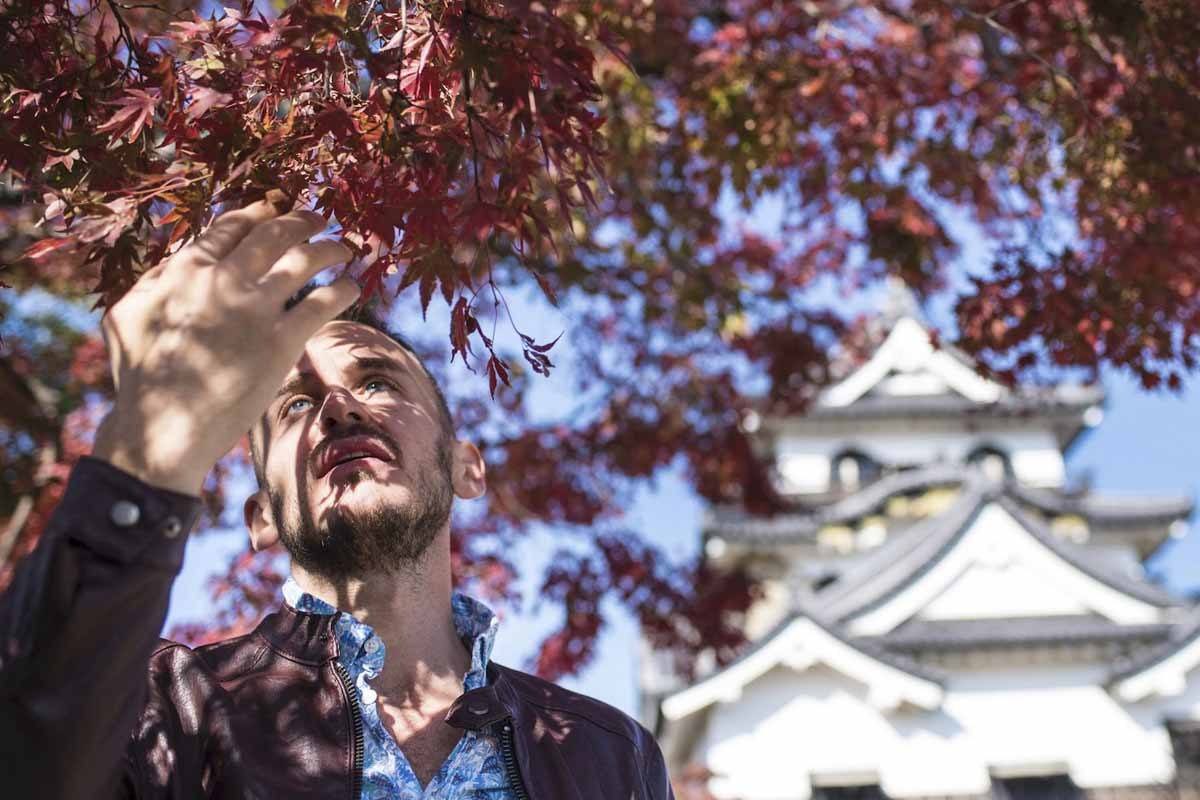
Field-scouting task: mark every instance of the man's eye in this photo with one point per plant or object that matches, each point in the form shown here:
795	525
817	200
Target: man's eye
376	382
292	405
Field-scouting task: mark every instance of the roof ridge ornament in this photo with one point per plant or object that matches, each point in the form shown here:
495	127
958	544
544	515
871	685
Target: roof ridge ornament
901	301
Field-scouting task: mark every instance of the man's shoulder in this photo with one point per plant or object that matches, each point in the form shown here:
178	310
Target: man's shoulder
551	697
223	659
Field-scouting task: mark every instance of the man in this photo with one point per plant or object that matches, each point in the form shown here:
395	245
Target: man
373	679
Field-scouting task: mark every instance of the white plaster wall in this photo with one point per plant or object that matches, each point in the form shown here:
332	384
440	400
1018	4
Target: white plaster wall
788	727
804	460
1010	589
1184	705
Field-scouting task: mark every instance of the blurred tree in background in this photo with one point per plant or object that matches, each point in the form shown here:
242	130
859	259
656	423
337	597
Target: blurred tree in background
596	151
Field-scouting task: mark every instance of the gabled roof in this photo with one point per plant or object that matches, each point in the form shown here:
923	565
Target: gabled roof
955	383
909	348
901	559
1107	509
1159	670
1100	510
949	405
897	565
1084	560
800	642
962	634
736	525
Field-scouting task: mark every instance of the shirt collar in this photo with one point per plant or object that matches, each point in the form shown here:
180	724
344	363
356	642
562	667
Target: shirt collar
475	623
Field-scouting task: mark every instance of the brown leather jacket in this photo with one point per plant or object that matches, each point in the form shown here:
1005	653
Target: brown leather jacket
266	715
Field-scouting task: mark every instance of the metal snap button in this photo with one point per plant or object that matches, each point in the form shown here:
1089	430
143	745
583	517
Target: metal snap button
124	514
478	709
172	527
372	645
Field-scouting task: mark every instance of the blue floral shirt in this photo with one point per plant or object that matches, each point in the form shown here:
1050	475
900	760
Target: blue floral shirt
474	770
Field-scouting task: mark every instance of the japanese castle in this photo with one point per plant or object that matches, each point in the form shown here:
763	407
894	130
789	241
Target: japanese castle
942	615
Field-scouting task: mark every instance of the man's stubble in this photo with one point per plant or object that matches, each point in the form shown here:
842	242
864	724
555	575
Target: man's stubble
386	538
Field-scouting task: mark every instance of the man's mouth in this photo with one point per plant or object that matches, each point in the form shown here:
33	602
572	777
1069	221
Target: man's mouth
352	449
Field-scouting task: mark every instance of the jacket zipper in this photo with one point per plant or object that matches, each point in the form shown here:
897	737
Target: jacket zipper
509	755
356	746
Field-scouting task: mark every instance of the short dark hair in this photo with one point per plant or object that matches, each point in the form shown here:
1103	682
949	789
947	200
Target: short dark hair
361	314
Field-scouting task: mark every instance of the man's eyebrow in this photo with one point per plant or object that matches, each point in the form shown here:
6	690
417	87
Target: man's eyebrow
293	384
378	364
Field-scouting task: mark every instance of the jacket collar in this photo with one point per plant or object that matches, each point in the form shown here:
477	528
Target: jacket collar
309	638
475	624
300	635
482	707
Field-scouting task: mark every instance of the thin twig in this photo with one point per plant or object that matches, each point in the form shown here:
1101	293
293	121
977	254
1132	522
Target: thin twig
125	34
989	20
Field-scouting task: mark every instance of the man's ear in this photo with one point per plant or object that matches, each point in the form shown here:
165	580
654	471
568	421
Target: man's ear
469	471
257	512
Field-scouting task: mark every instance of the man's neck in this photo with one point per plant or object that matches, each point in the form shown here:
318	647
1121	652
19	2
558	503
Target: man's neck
411	612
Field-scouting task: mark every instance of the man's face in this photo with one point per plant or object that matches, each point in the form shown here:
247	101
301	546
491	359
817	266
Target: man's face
358	466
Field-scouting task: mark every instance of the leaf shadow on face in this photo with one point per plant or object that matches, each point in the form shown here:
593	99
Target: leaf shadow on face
426	458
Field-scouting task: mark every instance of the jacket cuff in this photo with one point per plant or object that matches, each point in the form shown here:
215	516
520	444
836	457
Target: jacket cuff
121	518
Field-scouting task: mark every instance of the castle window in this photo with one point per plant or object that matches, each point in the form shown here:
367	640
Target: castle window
992	462
1039	787
861	792
853	470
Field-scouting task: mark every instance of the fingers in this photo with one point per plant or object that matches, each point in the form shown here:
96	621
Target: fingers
268	241
224	234
322	304
300	263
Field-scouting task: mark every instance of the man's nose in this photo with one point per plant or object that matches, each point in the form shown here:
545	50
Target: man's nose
340	408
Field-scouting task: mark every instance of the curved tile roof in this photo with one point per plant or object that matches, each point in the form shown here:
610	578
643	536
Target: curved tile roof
790	527
961	634
901	560
930	677
1108	509
736	524
875	406
1084	560
1183	635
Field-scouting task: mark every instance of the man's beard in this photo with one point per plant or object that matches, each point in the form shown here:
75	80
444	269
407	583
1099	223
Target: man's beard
386	538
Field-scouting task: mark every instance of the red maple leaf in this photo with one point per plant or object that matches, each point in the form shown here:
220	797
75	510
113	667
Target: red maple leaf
135	111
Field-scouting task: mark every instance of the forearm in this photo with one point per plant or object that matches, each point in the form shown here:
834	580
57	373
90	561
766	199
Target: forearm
78	626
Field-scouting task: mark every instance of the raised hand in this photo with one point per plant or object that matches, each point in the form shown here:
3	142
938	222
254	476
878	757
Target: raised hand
201	342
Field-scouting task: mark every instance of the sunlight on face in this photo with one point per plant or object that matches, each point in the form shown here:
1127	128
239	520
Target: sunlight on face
356	461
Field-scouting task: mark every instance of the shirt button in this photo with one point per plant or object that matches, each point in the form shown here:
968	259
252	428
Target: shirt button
372	645
124	514
172	527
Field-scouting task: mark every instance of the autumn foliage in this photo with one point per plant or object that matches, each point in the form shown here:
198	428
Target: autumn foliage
699	187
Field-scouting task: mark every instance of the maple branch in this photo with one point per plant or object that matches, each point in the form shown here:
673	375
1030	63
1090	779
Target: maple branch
471	132
990	22
25	403
1006	7
125	35
47	457
16	523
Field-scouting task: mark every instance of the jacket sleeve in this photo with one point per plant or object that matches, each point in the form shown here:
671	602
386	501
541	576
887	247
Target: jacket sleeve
658	782
78	625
